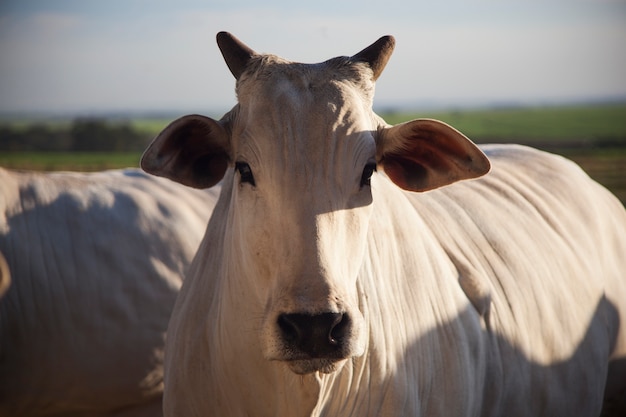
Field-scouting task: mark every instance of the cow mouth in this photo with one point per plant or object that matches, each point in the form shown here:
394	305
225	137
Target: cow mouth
309	366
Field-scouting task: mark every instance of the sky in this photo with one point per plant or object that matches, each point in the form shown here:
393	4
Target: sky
90	56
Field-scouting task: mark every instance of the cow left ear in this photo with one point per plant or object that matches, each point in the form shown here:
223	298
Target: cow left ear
425	154
193	150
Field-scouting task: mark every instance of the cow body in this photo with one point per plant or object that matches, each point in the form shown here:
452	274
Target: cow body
96	261
322	288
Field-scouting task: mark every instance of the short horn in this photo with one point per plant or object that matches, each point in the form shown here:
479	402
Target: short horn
377	54
235	53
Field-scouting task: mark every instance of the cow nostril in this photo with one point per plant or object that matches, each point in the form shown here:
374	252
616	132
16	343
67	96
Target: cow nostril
289	327
338	329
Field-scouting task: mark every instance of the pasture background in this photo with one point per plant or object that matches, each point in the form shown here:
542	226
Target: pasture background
594	136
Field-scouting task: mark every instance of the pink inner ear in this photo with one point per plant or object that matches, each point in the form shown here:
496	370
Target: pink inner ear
420	175
405	173
422	166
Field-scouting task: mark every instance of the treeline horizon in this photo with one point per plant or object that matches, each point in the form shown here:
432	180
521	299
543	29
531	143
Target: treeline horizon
83	134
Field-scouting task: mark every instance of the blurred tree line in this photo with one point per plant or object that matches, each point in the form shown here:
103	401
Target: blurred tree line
83	134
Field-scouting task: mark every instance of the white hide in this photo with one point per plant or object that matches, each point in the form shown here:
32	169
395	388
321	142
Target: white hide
96	262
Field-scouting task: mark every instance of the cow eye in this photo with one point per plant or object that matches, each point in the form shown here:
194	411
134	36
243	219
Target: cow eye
369	169
245	173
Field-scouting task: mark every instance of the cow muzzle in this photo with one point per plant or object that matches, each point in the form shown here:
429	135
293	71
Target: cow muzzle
315	342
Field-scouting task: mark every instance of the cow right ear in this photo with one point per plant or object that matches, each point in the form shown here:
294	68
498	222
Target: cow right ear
193	150
425	154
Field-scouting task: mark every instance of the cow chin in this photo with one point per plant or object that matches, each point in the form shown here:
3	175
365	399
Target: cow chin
309	366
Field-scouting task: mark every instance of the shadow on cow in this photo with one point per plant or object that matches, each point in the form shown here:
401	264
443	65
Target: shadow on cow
507	385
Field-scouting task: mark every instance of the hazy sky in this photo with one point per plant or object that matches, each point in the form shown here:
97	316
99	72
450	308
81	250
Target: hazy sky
89	56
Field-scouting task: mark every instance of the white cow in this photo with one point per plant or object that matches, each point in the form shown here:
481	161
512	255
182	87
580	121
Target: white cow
333	282
96	262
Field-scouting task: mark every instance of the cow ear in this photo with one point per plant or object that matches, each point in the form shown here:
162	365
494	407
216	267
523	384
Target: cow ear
193	150
425	154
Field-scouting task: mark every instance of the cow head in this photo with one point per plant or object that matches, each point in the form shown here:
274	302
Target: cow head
298	153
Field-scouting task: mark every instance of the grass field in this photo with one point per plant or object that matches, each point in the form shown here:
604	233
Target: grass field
69	161
594	136
567	125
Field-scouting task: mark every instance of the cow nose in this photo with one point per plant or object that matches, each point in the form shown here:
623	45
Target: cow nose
318	336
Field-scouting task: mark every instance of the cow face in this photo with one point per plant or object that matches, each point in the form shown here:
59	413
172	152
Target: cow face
305	152
301	148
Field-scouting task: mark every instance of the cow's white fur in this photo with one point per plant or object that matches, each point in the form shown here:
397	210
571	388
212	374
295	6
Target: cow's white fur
96	262
499	296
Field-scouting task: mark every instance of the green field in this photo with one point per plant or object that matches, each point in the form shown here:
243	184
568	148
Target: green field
69	161
592	135
603	124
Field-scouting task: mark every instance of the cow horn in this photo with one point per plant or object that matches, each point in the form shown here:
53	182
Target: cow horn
235	53
377	54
